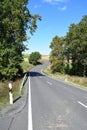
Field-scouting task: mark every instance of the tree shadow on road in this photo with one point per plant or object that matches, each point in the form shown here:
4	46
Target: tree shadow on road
27	74
35	74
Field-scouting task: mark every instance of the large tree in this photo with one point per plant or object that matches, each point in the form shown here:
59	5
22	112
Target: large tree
15	20
57	56
76	44
69	54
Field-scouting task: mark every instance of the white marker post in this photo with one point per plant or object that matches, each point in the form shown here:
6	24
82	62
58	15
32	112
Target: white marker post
10	94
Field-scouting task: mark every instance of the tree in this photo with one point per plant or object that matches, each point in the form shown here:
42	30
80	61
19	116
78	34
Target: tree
83	39
34	57
15	20
76	44
57	57
69	54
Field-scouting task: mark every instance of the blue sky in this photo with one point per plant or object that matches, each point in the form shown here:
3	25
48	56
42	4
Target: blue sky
57	15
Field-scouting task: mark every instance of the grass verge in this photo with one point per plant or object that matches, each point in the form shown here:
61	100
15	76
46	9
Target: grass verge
80	81
4	90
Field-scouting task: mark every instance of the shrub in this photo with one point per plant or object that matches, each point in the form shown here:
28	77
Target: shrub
34	57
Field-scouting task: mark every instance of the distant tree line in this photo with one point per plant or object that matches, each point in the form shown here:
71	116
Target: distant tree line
15	19
69	53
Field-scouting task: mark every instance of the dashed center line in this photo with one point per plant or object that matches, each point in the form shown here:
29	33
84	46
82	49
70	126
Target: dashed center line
49	83
82	104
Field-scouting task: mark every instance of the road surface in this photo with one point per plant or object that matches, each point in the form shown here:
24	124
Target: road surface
16	116
56	105
49	104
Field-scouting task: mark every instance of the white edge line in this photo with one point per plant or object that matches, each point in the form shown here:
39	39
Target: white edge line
30	124
82	104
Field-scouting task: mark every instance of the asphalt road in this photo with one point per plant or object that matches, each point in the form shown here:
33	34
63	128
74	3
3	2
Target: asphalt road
56	105
16	116
48	104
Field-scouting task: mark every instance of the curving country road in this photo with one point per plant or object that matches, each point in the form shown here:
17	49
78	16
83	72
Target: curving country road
56	105
48	104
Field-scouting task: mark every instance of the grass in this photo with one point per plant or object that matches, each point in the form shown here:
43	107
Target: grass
80	81
4	97
45	57
25	55
26	66
4	90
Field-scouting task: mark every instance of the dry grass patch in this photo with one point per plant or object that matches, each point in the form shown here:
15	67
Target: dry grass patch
78	80
45	57
81	81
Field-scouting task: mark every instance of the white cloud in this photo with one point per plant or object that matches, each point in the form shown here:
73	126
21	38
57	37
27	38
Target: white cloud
62	8
37	6
54	1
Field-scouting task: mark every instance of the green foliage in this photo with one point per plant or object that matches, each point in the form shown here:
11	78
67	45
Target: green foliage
71	56
76	44
56	57
26	66
15	19
10	61
34	57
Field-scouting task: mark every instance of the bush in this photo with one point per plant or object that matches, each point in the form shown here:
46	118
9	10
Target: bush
34	57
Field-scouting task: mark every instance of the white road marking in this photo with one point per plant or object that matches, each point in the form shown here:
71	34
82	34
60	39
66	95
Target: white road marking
49	83
30	124
82	104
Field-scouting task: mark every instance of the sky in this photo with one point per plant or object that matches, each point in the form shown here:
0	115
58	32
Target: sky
57	15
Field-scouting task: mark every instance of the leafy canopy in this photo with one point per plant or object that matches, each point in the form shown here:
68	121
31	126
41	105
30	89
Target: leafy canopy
15	20
34	57
56	57
69	54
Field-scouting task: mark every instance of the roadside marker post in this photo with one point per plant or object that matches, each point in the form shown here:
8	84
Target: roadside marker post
10	93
